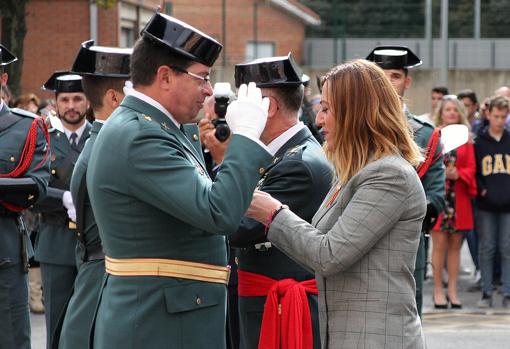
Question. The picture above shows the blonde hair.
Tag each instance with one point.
(438, 121)
(369, 119)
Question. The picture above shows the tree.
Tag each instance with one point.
(13, 32)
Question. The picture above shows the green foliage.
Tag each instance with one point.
(406, 18)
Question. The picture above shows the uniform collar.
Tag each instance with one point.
(79, 132)
(129, 90)
(280, 141)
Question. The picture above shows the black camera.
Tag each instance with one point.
(222, 93)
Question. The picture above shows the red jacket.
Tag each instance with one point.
(465, 188)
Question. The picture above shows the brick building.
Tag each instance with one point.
(247, 29)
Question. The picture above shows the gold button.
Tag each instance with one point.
(262, 170)
(78, 234)
(53, 172)
(31, 197)
(195, 137)
(199, 301)
(12, 159)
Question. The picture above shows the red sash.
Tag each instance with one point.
(430, 152)
(27, 155)
(286, 322)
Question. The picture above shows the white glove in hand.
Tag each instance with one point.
(67, 201)
(72, 214)
(247, 115)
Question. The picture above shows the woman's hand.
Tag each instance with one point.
(261, 207)
(451, 172)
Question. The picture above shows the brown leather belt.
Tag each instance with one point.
(167, 267)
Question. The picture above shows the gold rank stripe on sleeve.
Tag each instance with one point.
(167, 267)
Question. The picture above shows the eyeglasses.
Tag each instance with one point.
(205, 79)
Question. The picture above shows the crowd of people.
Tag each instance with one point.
(303, 225)
(477, 201)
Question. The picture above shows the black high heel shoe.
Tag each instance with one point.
(454, 305)
(439, 306)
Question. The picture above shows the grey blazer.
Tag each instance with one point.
(362, 248)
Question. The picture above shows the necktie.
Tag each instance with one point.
(72, 139)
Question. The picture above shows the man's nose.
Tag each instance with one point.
(208, 90)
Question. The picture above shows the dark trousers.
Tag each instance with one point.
(58, 281)
(14, 312)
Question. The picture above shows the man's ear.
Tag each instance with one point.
(273, 107)
(164, 76)
(112, 98)
(409, 81)
(4, 77)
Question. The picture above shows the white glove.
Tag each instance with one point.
(247, 115)
(72, 214)
(67, 201)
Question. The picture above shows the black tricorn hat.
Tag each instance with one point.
(63, 81)
(102, 61)
(182, 38)
(6, 56)
(269, 72)
(394, 57)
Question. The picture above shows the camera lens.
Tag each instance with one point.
(222, 132)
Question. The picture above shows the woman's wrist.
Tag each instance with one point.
(273, 214)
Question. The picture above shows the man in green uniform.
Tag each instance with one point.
(23, 181)
(395, 61)
(104, 71)
(161, 219)
(300, 176)
(56, 242)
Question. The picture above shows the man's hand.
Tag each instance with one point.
(67, 201)
(209, 140)
(247, 115)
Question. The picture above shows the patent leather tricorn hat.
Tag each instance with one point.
(182, 39)
(63, 81)
(394, 57)
(102, 61)
(6, 56)
(269, 72)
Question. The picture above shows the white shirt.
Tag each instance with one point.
(130, 91)
(279, 141)
(79, 132)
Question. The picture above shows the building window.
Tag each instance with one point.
(127, 36)
(259, 49)
(132, 20)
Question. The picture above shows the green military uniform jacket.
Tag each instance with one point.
(153, 198)
(56, 242)
(81, 307)
(14, 317)
(433, 184)
(300, 176)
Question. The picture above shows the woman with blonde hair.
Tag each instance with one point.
(460, 188)
(363, 240)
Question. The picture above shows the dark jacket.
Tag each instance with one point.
(493, 171)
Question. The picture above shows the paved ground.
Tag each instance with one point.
(469, 328)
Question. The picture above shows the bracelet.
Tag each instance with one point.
(272, 216)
